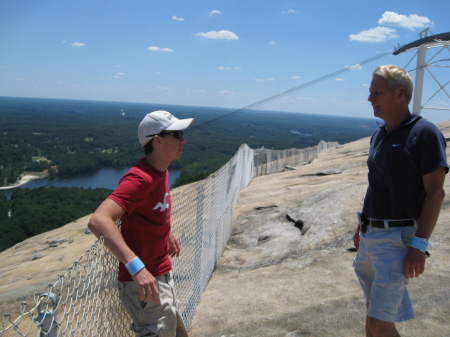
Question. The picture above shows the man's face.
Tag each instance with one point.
(381, 97)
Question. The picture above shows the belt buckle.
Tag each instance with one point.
(379, 223)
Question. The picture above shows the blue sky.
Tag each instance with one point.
(230, 53)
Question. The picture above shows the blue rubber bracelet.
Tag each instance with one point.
(134, 265)
(419, 243)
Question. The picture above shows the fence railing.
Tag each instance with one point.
(84, 301)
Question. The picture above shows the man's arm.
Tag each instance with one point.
(433, 183)
(103, 223)
(356, 238)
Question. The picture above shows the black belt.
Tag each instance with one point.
(391, 223)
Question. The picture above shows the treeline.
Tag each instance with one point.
(83, 136)
(38, 134)
(68, 137)
(207, 149)
(34, 211)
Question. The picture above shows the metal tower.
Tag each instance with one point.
(426, 42)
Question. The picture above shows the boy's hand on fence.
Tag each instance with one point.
(174, 247)
(147, 285)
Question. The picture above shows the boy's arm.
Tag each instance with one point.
(103, 224)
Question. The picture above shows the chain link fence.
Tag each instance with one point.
(84, 301)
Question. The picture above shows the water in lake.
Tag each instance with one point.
(105, 178)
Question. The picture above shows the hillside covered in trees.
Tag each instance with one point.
(35, 211)
(68, 137)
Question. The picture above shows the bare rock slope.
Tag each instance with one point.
(31, 265)
(274, 281)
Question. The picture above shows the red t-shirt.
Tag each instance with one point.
(144, 194)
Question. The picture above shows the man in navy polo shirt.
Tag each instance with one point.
(407, 167)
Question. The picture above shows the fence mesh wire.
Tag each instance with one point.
(84, 301)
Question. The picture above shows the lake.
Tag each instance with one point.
(105, 178)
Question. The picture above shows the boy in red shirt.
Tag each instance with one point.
(145, 243)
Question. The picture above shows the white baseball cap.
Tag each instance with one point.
(157, 121)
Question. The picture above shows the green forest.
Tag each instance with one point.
(34, 211)
(69, 137)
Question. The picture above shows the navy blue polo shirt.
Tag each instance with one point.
(397, 161)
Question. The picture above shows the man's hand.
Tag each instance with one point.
(414, 263)
(356, 238)
(174, 247)
(147, 285)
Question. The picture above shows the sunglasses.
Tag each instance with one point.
(176, 134)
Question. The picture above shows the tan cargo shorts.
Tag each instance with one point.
(160, 320)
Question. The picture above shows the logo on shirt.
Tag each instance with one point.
(162, 205)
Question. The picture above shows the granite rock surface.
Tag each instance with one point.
(277, 279)
(287, 268)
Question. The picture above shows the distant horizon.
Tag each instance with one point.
(199, 106)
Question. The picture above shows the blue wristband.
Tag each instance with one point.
(134, 265)
(419, 243)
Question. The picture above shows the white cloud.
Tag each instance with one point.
(214, 12)
(19, 79)
(228, 68)
(295, 77)
(378, 34)
(154, 48)
(290, 11)
(405, 21)
(177, 18)
(78, 44)
(200, 91)
(356, 66)
(339, 79)
(162, 88)
(441, 103)
(273, 43)
(304, 99)
(227, 92)
(264, 79)
(221, 35)
(118, 75)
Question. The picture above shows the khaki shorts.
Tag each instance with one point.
(161, 320)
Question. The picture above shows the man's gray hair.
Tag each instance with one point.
(396, 77)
